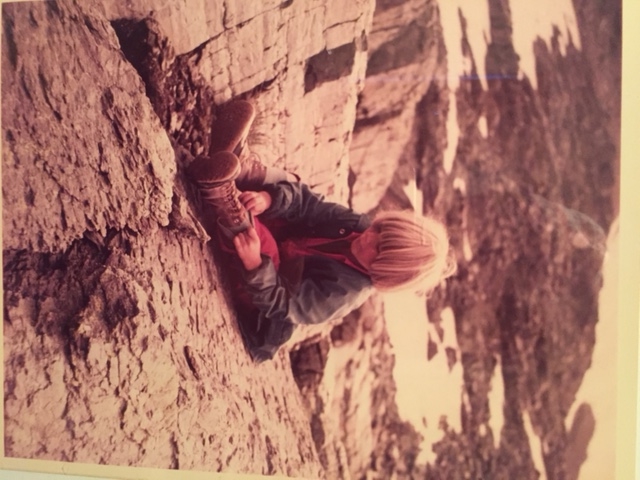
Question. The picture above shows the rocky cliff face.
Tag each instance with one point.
(118, 338)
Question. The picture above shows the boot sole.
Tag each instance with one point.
(231, 127)
(211, 171)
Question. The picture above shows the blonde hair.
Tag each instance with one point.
(412, 251)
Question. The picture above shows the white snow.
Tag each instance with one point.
(536, 19)
(482, 126)
(460, 184)
(477, 14)
(467, 251)
(414, 195)
(425, 390)
(496, 404)
(536, 447)
(452, 135)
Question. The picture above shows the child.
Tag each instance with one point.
(296, 259)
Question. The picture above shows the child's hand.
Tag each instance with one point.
(247, 245)
(255, 202)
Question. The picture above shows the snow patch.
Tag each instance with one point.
(535, 445)
(453, 132)
(448, 325)
(477, 15)
(426, 390)
(466, 247)
(483, 127)
(414, 195)
(460, 184)
(533, 20)
(496, 403)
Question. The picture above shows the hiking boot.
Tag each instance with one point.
(215, 179)
(230, 130)
(229, 134)
(252, 173)
(207, 171)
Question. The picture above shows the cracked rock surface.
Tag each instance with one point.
(66, 179)
(119, 342)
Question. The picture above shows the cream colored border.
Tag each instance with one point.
(629, 272)
(628, 295)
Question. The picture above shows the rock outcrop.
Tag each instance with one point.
(301, 63)
(405, 56)
(118, 339)
(115, 311)
(118, 336)
(63, 179)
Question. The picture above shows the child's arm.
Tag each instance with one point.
(247, 244)
(327, 290)
(296, 203)
(255, 202)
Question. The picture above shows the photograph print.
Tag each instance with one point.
(312, 238)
